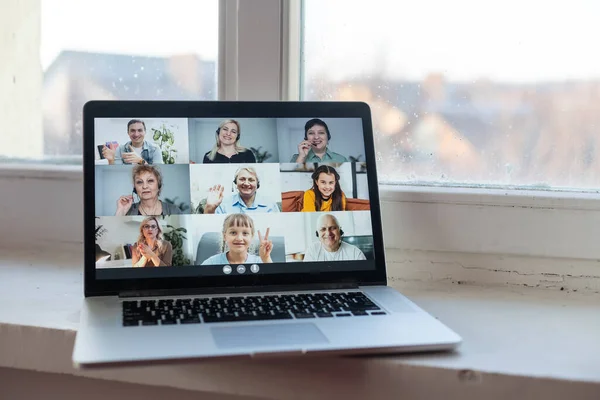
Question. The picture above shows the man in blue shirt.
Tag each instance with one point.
(246, 200)
(137, 150)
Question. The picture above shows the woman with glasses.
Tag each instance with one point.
(151, 250)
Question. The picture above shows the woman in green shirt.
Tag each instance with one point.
(314, 146)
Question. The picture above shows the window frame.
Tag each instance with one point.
(42, 203)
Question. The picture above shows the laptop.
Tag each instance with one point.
(237, 229)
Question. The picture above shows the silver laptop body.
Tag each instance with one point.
(292, 296)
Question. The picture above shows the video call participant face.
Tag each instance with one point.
(315, 145)
(150, 229)
(238, 233)
(246, 182)
(318, 138)
(329, 232)
(146, 185)
(326, 184)
(326, 193)
(137, 133)
(238, 237)
(228, 134)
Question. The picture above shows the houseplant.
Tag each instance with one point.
(165, 139)
(176, 236)
(100, 253)
(100, 230)
(261, 156)
(182, 206)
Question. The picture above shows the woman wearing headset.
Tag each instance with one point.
(315, 146)
(147, 184)
(227, 148)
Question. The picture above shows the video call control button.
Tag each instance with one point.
(226, 269)
(241, 269)
(254, 268)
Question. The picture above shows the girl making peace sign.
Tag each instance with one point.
(238, 233)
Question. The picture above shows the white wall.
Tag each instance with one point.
(119, 231)
(346, 136)
(113, 181)
(362, 186)
(21, 84)
(255, 132)
(354, 223)
(214, 223)
(189, 243)
(298, 237)
(109, 129)
(204, 176)
(302, 180)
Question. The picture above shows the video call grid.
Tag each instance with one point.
(151, 175)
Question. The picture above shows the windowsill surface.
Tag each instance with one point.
(520, 332)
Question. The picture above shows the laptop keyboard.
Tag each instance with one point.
(248, 308)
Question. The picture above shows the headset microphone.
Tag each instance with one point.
(134, 192)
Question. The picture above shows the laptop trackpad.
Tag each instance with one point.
(268, 335)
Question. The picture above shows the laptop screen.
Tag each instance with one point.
(232, 196)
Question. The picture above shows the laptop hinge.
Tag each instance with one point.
(238, 289)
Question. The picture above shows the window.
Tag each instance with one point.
(103, 50)
(418, 80)
(466, 92)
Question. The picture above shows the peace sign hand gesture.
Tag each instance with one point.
(266, 246)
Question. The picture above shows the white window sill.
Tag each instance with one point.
(517, 340)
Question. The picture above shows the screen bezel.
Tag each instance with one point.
(231, 109)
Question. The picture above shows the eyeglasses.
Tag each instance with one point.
(147, 227)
